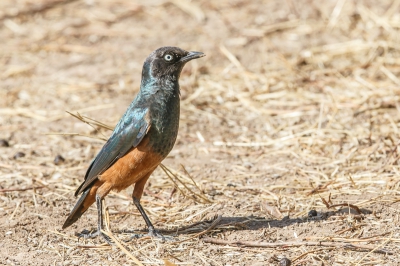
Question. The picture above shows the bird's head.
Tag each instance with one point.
(167, 63)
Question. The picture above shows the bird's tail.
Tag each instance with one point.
(87, 198)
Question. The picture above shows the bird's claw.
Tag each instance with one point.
(154, 234)
(86, 234)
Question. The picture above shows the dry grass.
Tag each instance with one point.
(295, 108)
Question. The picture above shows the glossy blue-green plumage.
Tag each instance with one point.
(156, 108)
(154, 115)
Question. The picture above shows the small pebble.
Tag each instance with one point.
(312, 213)
(56, 175)
(4, 143)
(59, 159)
(285, 262)
(19, 155)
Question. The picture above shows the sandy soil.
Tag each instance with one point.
(294, 109)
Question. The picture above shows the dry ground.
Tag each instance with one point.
(295, 108)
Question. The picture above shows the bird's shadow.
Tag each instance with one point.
(236, 223)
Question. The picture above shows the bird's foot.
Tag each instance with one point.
(86, 234)
(154, 234)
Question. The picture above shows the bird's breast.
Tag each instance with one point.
(164, 125)
(132, 167)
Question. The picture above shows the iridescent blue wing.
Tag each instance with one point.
(128, 133)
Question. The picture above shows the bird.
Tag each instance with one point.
(142, 138)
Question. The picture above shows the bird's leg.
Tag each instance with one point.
(152, 231)
(100, 226)
(136, 195)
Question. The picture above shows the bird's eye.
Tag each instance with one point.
(168, 57)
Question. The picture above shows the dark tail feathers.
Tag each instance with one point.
(80, 207)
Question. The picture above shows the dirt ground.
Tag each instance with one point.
(287, 148)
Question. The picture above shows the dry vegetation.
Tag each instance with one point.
(294, 109)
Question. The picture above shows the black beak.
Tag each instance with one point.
(192, 55)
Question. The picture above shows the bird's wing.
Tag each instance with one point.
(127, 134)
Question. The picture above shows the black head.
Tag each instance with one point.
(167, 62)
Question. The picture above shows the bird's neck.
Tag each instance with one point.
(163, 89)
(161, 96)
(151, 84)
(163, 100)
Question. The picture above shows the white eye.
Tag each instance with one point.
(168, 57)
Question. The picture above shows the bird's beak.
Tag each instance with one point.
(192, 55)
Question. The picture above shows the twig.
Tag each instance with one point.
(375, 249)
(343, 239)
(181, 229)
(18, 189)
(187, 173)
(166, 171)
(296, 244)
(110, 235)
(75, 134)
(339, 232)
(330, 206)
(369, 237)
(37, 8)
(212, 226)
(237, 64)
(193, 194)
(90, 121)
(191, 8)
(308, 252)
(93, 247)
(320, 188)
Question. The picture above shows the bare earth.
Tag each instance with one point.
(295, 108)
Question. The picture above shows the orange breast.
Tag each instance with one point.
(132, 167)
